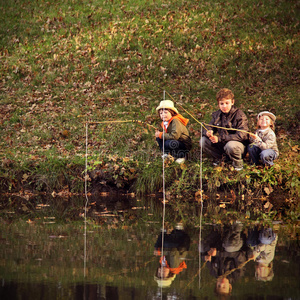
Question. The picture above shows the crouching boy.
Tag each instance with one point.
(221, 143)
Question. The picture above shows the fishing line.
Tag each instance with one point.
(86, 177)
(201, 211)
(86, 196)
(164, 203)
(201, 193)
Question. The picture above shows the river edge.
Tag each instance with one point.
(224, 191)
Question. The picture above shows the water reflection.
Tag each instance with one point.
(225, 252)
(263, 242)
(172, 248)
(44, 260)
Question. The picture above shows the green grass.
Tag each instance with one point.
(70, 61)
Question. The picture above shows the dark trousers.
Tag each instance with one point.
(233, 149)
(173, 147)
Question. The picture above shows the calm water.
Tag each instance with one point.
(45, 255)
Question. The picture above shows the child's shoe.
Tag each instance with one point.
(180, 160)
(216, 163)
(238, 168)
(179, 226)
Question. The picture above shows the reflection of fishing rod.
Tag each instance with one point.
(198, 273)
(237, 268)
(221, 276)
(203, 124)
(123, 121)
(125, 271)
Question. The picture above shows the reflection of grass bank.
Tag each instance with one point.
(68, 64)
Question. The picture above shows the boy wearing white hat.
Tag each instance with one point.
(174, 139)
(264, 146)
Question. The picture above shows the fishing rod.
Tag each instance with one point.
(241, 130)
(122, 121)
(203, 124)
(187, 112)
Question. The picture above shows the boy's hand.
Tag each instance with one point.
(212, 252)
(207, 257)
(211, 136)
(157, 133)
(254, 255)
(255, 137)
(214, 139)
(209, 133)
(157, 252)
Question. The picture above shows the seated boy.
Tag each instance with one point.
(222, 143)
(175, 138)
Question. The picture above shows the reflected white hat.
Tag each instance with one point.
(164, 282)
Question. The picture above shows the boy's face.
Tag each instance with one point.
(223, 286)
(262, 271)
(264, 121)
(163, 272)
(165, 115)
(225, 105)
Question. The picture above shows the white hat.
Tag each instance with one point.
(167, 104)
(267, 113)
(164, 282)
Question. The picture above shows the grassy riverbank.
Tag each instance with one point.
(69, 62)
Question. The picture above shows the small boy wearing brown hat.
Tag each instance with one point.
(174, 139)
(264, 146)
(222, 143)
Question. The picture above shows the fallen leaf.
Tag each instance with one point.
(198, 194)
(268, 190)
(24, 177)
(268, 205)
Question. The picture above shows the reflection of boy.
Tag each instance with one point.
(220, 143)
(230, 256)
(263, 244)
(176, 246)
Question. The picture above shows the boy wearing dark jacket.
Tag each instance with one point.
(222, 143)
